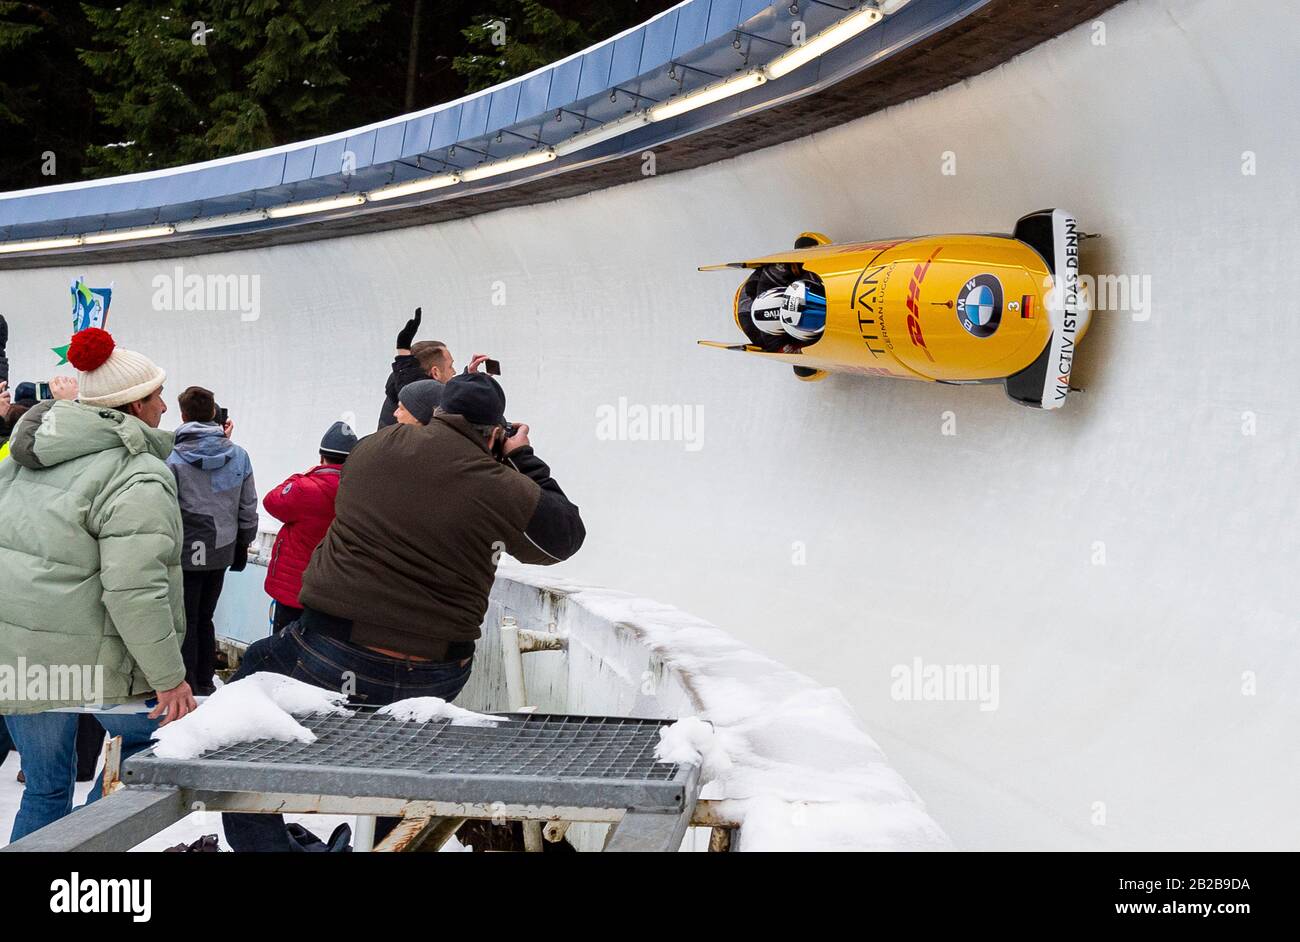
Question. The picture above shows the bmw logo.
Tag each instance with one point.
(979, 306)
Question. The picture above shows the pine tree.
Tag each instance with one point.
(45, 108)
(536, 34)
(177, 88)
(99, 87)
(525, 36)
(16, 37)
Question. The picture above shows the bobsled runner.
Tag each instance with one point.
(940, 308)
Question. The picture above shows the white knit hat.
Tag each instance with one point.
(107, 374)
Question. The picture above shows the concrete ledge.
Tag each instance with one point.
(803, 775)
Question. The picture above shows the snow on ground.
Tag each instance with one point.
(789, 757)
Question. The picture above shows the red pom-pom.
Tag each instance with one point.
(90, 348)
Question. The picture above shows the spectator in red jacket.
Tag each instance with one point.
(305, 505)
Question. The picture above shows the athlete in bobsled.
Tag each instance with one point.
(781, 307)
(958, 309)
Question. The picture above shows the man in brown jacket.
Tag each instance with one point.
(394, 596)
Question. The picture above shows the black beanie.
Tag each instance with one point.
(476, 396)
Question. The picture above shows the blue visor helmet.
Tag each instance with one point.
(803, 314)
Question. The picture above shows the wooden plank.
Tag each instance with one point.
(419, 834)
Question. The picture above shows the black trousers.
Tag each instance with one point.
(199, 650)
(90, 743)
(285, 615)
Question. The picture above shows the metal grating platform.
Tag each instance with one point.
(579, 761)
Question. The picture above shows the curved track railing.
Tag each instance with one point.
(695, 66)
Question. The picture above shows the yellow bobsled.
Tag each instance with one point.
(940, 308)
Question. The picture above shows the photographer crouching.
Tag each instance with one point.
(394, 597)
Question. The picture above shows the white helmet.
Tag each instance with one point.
(803, 315)
(765, 312)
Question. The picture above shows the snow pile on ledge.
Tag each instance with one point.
(427, 709)
(788, 756)
(260, 706)
(693, 740)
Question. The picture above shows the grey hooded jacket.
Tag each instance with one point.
(214, 483)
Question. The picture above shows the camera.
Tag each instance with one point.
(499, 449)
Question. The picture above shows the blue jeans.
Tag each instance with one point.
(324, 661)
(47, 743)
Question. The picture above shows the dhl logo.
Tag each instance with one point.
(914, 301)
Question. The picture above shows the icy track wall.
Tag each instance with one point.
(1126, 566)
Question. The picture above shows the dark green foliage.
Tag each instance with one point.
(179, 88)
(538, 33)
(118, 86)
(45, 104)
(524, 36)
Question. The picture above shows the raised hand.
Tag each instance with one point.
(406, 336)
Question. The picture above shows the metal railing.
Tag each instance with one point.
(697, 65)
